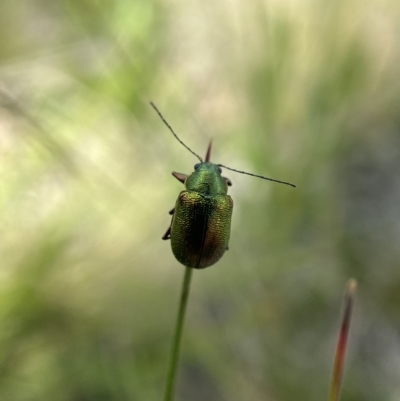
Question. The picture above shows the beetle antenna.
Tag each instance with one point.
(173, 133)
(259, 176)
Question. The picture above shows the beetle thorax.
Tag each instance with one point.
(207, 180)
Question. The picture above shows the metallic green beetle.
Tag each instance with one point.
(201, 219)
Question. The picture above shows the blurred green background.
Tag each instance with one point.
(306, 91)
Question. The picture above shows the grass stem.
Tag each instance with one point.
(338, 365)
(176, 343)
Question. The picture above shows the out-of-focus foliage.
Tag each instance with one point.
(303, 91)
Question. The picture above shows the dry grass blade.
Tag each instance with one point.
(338, 366)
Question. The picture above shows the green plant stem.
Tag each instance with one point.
(176, 343)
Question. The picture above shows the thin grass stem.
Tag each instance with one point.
(176, 342)
(338, 365)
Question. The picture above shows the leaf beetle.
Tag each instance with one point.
(201, 219)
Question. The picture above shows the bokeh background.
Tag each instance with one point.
(306, 91)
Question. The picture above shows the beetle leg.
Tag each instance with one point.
(167, 234)
(180, 176)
